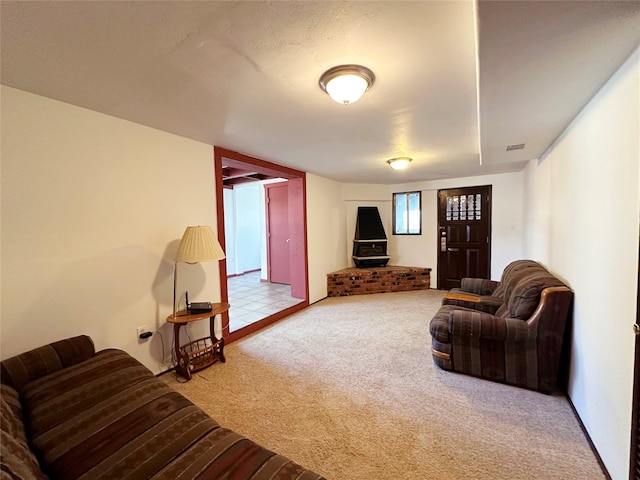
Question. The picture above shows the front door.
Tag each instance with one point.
(464, 235)
(277, 200)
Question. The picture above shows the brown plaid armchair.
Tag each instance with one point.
(520, 342)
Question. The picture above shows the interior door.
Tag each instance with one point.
(464, 235)
(278, 239)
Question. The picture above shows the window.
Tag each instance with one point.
(464, 207)
(407, 215)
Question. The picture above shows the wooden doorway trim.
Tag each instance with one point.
(239, 160)
(298, 235)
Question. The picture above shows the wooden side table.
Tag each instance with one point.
(194, 356)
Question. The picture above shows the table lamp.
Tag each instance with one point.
(198, 244)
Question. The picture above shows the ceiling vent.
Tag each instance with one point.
(519, 146)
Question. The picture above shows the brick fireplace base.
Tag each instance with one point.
(362, 281)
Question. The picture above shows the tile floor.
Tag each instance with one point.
(252, 300)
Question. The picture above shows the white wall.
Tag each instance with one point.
(537, 209)
(249, 217)
(507, 229)
(332, 209)
(92, 214)
(583, 197)
(244, 220)
(409, 250)
(93, 208)
(326, 234)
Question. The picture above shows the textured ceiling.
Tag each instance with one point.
(244, 75)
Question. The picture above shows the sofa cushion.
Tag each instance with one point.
(525, 296)
(12, 411)
(19, 370)
(96, 414)
(479, 286)
(110, 417)
(17, 461)
(512, 275)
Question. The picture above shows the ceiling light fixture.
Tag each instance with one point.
(399, 163)
(347, 83)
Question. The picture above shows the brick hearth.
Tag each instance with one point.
(362, 281)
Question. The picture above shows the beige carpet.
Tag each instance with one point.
(348, 388)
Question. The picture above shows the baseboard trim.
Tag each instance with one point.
(243, 273)
(588, 437)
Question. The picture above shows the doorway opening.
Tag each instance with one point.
(262, 228)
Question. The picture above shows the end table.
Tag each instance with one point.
(194, 356)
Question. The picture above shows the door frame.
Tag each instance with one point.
(489, 189)
(634, 454)
(236, 159)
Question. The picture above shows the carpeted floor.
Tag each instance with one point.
(347, 388)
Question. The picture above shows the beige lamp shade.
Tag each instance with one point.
(199, 244)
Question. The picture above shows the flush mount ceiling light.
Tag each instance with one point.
(399, 163)
(347, 83)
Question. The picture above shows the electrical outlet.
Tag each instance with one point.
(140, 331)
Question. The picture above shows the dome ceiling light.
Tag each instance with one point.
(399, 163)
(347, 83)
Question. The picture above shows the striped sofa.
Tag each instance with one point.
(509, 331)
(71, 413)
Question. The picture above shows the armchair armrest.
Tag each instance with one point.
(467, 323)
(479, 286)
(19, 370)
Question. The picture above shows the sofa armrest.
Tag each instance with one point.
(479, 286)
(19, 370)
(467, 323)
